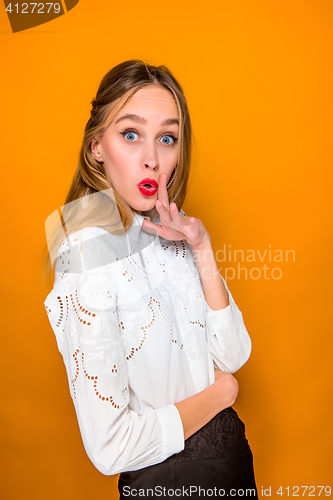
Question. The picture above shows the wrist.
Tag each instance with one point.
(204, 244)
(216, 397)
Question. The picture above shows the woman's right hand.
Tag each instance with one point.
(226, 388)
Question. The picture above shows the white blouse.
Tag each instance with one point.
(137, 336)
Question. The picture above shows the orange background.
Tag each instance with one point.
(258, 79)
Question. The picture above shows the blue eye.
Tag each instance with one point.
(168, 136)
(131, 133)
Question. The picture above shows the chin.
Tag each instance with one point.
(145, 205)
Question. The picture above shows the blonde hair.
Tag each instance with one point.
(90, 177)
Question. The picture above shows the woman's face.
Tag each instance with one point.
(137, 149)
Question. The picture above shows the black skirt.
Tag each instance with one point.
(217, 461)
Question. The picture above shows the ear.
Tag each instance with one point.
(96, 147)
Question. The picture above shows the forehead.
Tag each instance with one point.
(149, 100)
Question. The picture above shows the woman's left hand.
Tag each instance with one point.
(175, 226)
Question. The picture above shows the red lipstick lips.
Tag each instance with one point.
(148, 187)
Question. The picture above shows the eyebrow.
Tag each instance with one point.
(140, 119)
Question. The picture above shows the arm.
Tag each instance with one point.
(198, 410)
(227, 336)
(215, 292)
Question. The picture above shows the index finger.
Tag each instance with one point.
(162, 192)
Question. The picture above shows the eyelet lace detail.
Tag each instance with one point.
(145, 328)
(169, 323)
(94, 380)
(176, 247)
(102, 397)
(192, 322)
(77, 371)
(130, 259)
(63, 314)
(77, 305)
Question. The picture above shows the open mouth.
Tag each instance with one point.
(148, 183)
(148, 187)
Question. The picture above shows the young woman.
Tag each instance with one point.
(149, 332)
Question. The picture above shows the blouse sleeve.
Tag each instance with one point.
(227, 337)
(82, 312)
(228, 340)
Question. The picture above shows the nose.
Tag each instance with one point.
(151, 166)
(150, 156)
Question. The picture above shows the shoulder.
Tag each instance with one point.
(80, 236)
(91, 246)
(84, 270)
(86, 253)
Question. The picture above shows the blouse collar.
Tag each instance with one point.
(136, 227)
